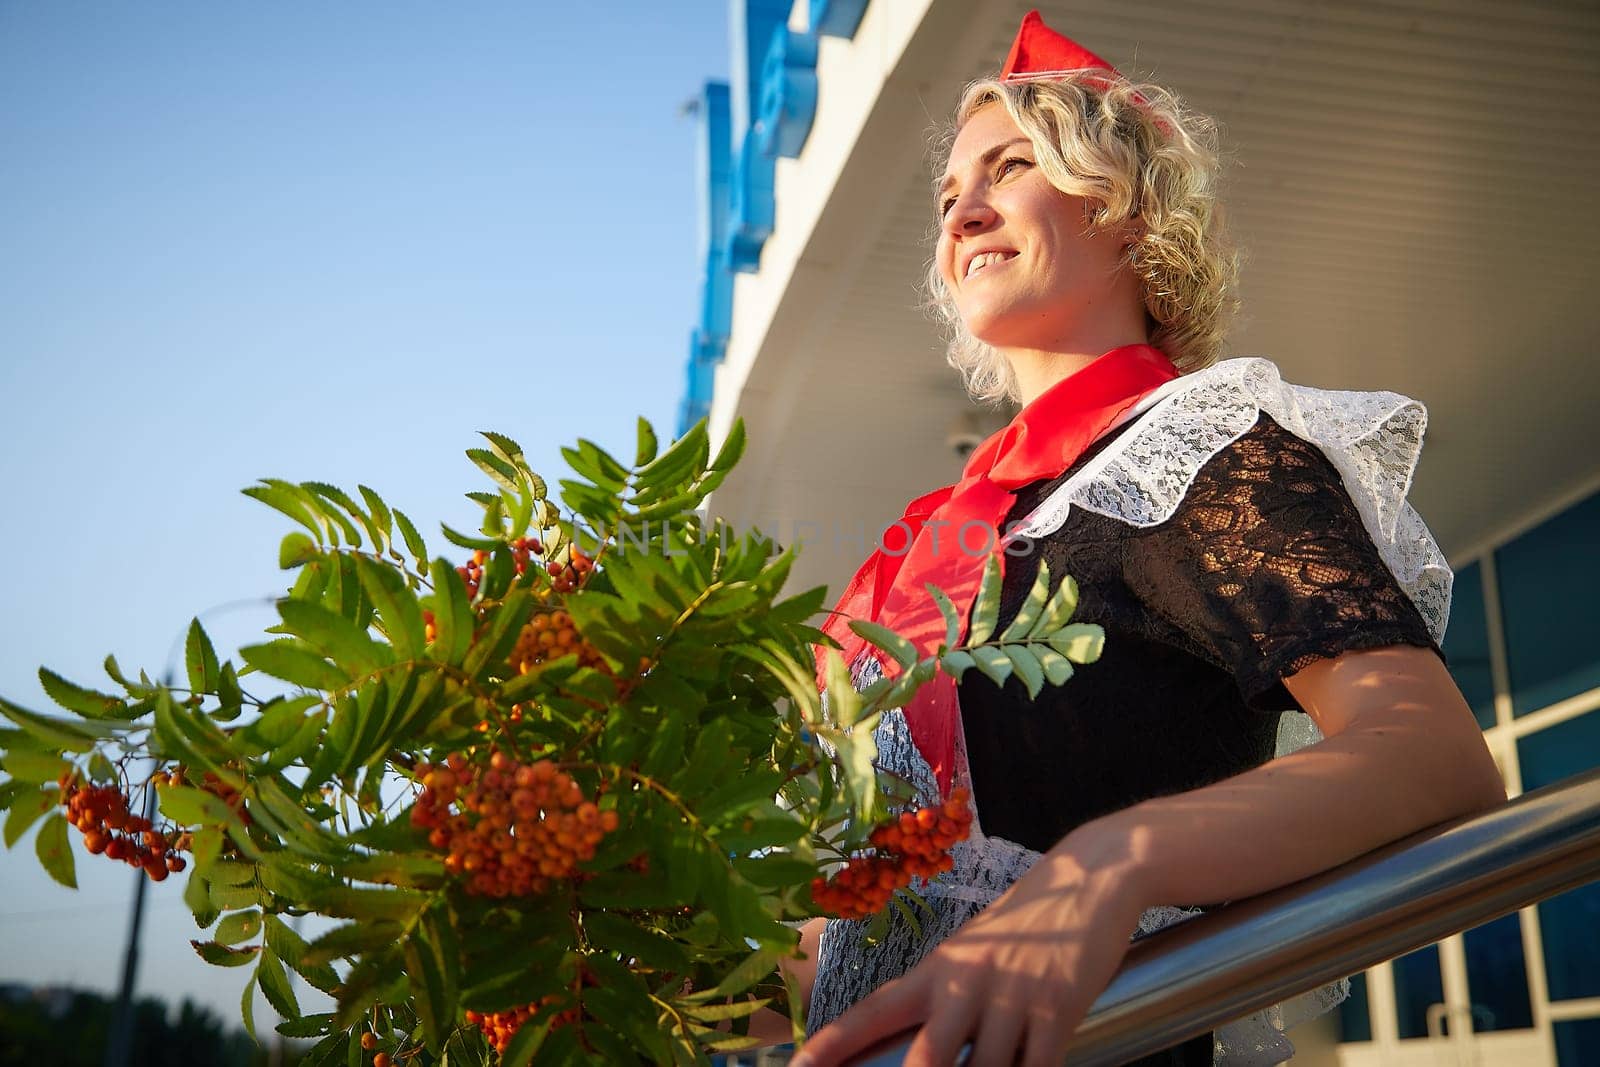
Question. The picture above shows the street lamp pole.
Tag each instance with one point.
(119, 1048)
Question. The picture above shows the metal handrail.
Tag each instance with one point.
(1240, 958)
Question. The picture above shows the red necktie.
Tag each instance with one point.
(945, 537)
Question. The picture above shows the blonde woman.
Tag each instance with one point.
(1244, 543)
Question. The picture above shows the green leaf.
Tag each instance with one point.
(378, 510)
(713, 1013)
(452, 614)
(279, 496)
(646, 450)
(432, 989)
(993, 663)
(335, 637)
(295, 664)
(758, 965)
(397, 607)
(903, 651)
(32, 766)
(230, 696)
(223, 956)
(732, 447)
(1060, 608)
(526, 1043)
(844, 703)
(238, 926)
(308, 1026)
(247, 1006)
(27, 811)
(414, 543)
(1028, 614)
(455, 537)
(504, 474)
(504, 447)
(76, 698)
(400, 905)
(352, 939)
(339, 497)
(292, 949)
(295, 550)
(275, 985)
(957, 663)
(986, 607)
(55, 851)
(1080, 642)
(952, 618)
(200, 659)
(191, 807)
(1057, 668)
(647, 946)
(1027, 668)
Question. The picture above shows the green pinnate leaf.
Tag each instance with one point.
(1080, 642)
(32, 766)
(502, 472)
(294, 663)
(292, 949)
(452, 614)
(74, 697)
(1057, 668)
(1058, 610)
(296, 550)
(1026, 667)
(986, 606)
(26, 811)
(223, 956)
(238, 926)
(957, 663)
(283, 498)
(1032, 606)
(275, 985)
(952, 618)
(903, 651)
(397, 607)
(504, 447)
(200, 660)
(645, 451)
(414, 543)
(334, 636)
(732, 448)
(994, 663)
(55, 851)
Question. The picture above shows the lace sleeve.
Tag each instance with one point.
(1266, 567)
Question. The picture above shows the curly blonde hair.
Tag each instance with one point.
(1138, 153)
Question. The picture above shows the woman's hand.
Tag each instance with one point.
(1016, 980)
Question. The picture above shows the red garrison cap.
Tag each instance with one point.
(1040, 52)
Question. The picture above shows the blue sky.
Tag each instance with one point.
(309, 241)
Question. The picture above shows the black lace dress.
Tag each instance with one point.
(1264, 568)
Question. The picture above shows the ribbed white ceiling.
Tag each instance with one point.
(1412, 182)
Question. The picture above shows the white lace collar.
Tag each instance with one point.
(1372, 438)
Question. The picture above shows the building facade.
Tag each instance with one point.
(1409, 181)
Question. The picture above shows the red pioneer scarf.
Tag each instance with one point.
(946, 536)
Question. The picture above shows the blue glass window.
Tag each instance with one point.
(1466, 644)
(1549, 584)
(1497, 975)
(1417, 987)
(1355, 1019)
(1578, 1043)
(1569, 925)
